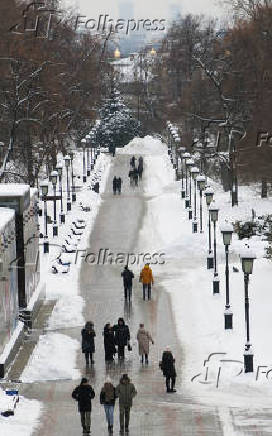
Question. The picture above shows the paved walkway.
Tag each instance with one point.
(155, 413)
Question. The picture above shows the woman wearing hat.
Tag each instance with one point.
(87, 345)
(167, 366)
(107, 398)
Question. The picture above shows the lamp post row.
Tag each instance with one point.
(247, 257)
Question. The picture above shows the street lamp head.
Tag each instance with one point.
(190, 163)
(194, 172)
(44, 188)
(227, 232)
(209, 193)
(67, 160)
(59, 168)
(213, 211)
(247, 258)
(54, 177)
(201, 182)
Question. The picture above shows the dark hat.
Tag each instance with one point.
(83, 380)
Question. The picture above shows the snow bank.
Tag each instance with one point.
(145, 146)
(67, 313)
(25, 420)
(62, 351)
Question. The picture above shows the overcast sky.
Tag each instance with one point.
(146, 8)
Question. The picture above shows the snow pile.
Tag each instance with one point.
(146, 146)
(54, 358)
(67, 313)
(25, 420)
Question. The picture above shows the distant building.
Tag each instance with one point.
(126, 10)
(174, 11)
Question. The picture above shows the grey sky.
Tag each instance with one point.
(146, 8)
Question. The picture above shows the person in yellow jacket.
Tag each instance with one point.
(146, 278)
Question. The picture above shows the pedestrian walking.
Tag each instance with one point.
(143, 338)
(135, 176)
(167, 366)
(125, 391)
(121, 337)
(131, 177)
(114, 185)
(146, 277)
(132, 162)
(84, 394)
(109, 344)
(87, 345)
(107, 398)
(140, 167)
(119, 185)
(112, 150)
(128, 277)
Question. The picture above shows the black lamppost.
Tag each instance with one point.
(181, 155)
(214, 210)
(54, 180)
(67, 160)
(44, 188)
(247, 258)
(72, 177)
(59, 169)
(177, 143)
(92, 134)
(188, 201)
(201, 183)
(83, 143)
(186, 156)
(209, 198)
(88, 140)
(194, 174)
(227, 231)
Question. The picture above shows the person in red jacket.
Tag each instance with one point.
(146, 277)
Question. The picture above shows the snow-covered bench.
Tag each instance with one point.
(8, 401)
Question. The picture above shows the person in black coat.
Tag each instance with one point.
(167, 366)
(84, 394)
(121, 337)
(135, 176)
(109, 343)
(128, 276)
(132, 161)
(119, 185)
(114, 185)
(87, 345)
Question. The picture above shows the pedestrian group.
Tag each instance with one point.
(116, 339)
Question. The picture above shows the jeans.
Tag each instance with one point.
(109, 410)
(124, 416)
(146, 358)
(147, 286)
(128, 291)
(86, 420)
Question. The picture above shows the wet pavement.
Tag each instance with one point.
(155, 412)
